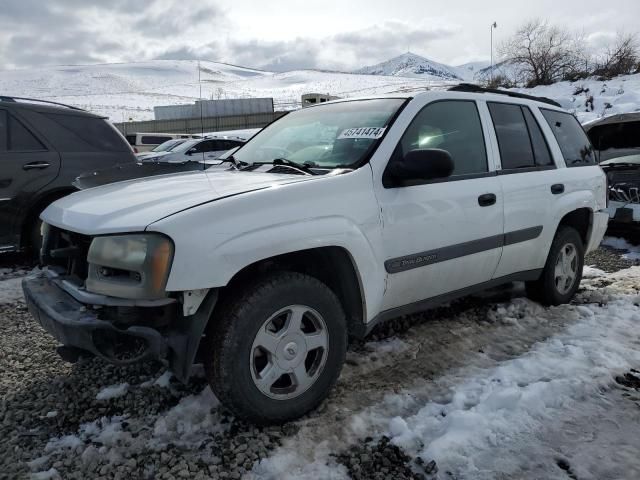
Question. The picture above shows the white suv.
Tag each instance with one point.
(330, 220)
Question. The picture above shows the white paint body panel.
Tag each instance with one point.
(221, 222)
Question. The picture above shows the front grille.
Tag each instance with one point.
(624, 186)
(66, 252)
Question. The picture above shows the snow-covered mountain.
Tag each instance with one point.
(412, 65)
(469, 71)
(126, 91)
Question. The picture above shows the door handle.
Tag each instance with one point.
(35, 165)
(557, 188)
(487, 199)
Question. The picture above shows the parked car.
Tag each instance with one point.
(617, 139)
(144, 142)
(163, 147)
(190, 155)
(267, 269)
(43, 147)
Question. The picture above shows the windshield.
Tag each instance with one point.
(328, 136)
(167, 146)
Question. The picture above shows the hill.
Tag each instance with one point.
(412, 65)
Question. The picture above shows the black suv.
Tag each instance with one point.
(44, 146)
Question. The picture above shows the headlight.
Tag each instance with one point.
(132, 266)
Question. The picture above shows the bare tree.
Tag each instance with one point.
(620, 58)
(543, 53)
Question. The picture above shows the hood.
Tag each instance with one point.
(131, 206)
(627, 161)
(144, 155)
(130, 171)
(615, 136)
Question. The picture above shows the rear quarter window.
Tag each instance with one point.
(76, 133)
(572, 139)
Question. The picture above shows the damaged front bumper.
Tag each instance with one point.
(76, 324)
(624, 214)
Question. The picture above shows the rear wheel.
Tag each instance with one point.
(273, 353)
(562, 272)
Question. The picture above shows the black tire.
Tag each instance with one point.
(546, 290)
(229, 348)
(35, 235)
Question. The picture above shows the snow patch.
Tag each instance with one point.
(113, 391)
(51, 474)
(592, 272)
(190, 422)
(163, 381)
(505, 406)
(633, 251)
(11, 290)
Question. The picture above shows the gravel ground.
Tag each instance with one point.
(43, 398)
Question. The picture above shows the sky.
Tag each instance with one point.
(284, 35)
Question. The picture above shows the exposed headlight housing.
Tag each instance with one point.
(134, 266)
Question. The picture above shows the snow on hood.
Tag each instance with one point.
(133, 205)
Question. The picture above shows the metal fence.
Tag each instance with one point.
(198, 125)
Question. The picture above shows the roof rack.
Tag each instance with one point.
(469, 87)
(5, 98)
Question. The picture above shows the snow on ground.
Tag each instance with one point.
(113, 391)
(592, 272)
(511, 407)
(633, 251)
(11, 290)
(186, 425)
(619, 95)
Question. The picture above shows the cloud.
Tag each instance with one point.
(275, 55)
(161, 23)
(345, 51)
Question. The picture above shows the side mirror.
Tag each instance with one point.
(422, 164)
(191, 151)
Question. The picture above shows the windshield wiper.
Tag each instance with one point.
(304, 167)
(285, 162)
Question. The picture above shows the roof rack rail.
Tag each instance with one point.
(5, 98)
(469, 87)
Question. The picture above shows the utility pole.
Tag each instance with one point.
(493, 25)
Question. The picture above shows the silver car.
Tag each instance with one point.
(197, 150)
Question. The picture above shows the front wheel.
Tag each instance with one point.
(562, 272)
(274, 352)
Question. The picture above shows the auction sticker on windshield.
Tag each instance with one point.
(362, 132)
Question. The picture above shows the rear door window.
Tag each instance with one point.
(21, 139)
(513, 136)
(131, 139)
(574, 143)
(3, 130)
(80, 133)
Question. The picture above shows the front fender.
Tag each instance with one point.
(214, 242)
(220, 262)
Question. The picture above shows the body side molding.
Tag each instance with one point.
(417, 260)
